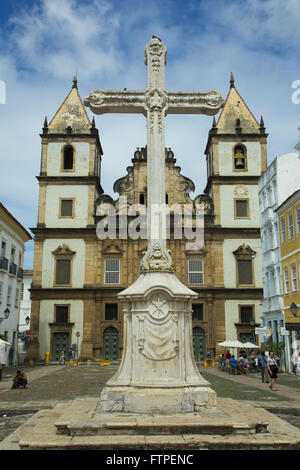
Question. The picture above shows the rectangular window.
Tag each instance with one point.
(17, 298)
(291, 226)
(196, 275)
(241, 208)
(245, 272)
(283, 231)
(286, 281)
(246, 313)
(66, 208)
(3, 248)
(1, 291)
(63, 272)
(12, 255)
(298, 220)
(112, 271)
(8, 300)
(62, 313)
(111, 311)
(294, 278)
(197, 314)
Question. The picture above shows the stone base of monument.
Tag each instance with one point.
(79, 425)
(156, 400)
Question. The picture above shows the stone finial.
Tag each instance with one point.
(45, 128)
(231, 80)
(214, 124)
(262, 126)
(93, 122)
(75, 81)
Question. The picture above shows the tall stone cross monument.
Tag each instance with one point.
(158, 372)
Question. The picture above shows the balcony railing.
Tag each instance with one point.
(3, 263)
(13, 268)
(20, 273)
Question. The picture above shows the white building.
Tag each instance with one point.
(13, 236)
(276, 184)
(24, 319)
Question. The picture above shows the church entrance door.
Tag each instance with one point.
(60, 343)
(111, 344)
(199, 343)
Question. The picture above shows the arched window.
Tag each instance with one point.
(239, 157)
(68, 158)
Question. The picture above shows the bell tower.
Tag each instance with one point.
(236, 156)
(69, 184)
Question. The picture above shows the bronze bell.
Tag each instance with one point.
(239, 160)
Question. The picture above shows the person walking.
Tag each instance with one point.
(62, 357)
(273, 369)
(263, 366)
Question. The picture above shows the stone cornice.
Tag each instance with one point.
(63, 137)
(219, 137)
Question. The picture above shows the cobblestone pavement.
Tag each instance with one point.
(48, 385)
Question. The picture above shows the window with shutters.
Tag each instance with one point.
(112, 271)
(245, 272)
(8, 299)
(298, 220)
(63, 265)
(63, 272)
(66, 208)
(241, 209)
(291, 226)
(195, 272)
(283, 231)
(286, 281)
(294, 277)
(244, 265)
(17, 298)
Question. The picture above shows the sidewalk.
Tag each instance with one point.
(255, 381)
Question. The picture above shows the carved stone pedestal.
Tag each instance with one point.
(158, 373)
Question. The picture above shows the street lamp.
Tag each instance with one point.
(27, 320)
(6, 315)
(294, 309)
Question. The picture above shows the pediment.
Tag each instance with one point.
(244, 251)
(63, 250)
(112, 249)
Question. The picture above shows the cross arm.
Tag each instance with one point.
(108, 101)
(198, 102)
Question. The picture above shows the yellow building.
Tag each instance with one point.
(289, 223)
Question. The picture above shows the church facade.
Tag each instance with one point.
(77, 275)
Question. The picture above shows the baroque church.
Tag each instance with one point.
(77, 275)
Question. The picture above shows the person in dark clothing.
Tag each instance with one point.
(20, 380)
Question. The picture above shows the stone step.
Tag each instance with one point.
(94, 428)
(160, 442)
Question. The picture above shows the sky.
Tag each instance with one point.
(44, 43)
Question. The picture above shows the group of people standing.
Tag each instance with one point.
(267, 364)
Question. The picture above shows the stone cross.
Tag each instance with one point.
(155, 102)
